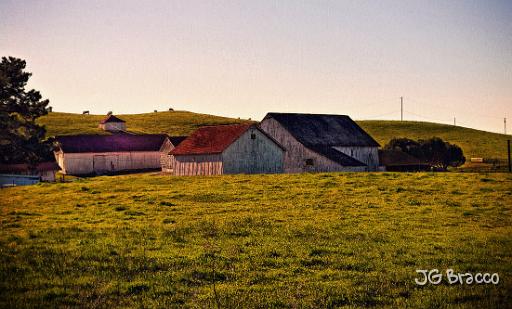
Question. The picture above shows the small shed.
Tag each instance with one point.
(45, 170)
(112, 123)
(399, 161)
(89, 154)
(228, 149)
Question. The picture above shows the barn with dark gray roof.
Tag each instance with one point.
(322, 143)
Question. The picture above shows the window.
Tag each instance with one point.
(309, 162)
(253, 136)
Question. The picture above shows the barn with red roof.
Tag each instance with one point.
(228, 149)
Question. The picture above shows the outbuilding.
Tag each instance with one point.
(322, 143)
(228, 149)
(44, 170)
(112, 123)
(105, 154)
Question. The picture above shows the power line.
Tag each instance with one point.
(426, 118)
(448, 106)
(382, 115)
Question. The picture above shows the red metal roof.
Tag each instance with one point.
(211, 139)
(111, 118)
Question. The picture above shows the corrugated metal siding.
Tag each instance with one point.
(260, 155)
(17, 180)
(296, 153)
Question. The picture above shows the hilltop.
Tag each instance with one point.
(172, 123)
(475, 143)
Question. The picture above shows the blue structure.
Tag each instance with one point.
(9, 180)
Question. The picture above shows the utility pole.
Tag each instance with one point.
(454, 121)
(401, 108)
(505, 126)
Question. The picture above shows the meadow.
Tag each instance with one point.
(269, 241)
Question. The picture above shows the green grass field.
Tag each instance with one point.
(173, 123)
(309, 240)
(475, 143)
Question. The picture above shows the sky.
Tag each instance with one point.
(246, 58)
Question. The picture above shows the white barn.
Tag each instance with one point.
(104, 154)
(322, 143)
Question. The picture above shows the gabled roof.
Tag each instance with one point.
(111, 143)
(214, 139)
(111, 118)
(322, 129)
(176, 140)
(210, 139)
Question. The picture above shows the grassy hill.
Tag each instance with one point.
(173, 123)
(332, 240)
(475, 143)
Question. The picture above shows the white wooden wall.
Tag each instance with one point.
(260, 155)
(165, 157)
(296, 153)
(113, 126)
(367, 155)
(98, 163)
(192, 165)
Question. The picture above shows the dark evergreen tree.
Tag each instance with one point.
(21, 138)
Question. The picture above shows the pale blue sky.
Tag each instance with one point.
(245, 58)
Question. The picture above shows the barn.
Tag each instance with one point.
(228, 149)
(322, 143)
(112, 123)
(104, 154)
(44, 170)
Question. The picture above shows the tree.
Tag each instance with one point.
(404, 144)
(21, 138)
(434, 151)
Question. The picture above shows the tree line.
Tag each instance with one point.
(434, 151)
